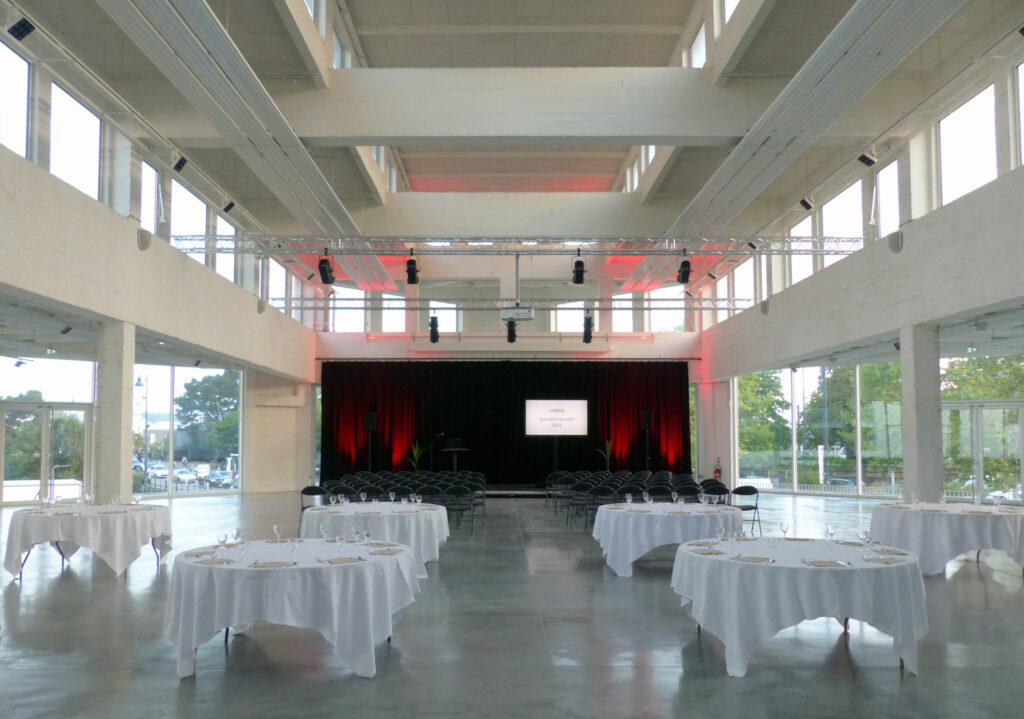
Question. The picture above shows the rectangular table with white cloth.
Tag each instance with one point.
(346, 591)
(744, 595)
(114, 532)
(627, 532)
(421, 527)
(938, 532)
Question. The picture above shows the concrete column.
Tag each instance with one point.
(606, 288)
(114, 378)
(714, 427)
(276, 435)
(922, 414)
(412, 316)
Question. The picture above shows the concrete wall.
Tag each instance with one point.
(277, 434)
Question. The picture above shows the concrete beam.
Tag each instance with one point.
(726, 52)
(311, 46)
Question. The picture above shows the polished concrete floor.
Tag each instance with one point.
(518, 619)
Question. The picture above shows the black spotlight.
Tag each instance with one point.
(21, 29)
(577, 272)
(805, 203)
(434, 334)
(180, 164)
(326, 271)
(867, 159)
(310, 276)
(684, 272)
(510, 329)
(66, 330)
(412, 272)
(588, 328)
(229, 207)
(712, 275)
(197, 363)
(896, 345)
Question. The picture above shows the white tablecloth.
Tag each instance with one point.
(938, 533)
(115, 533)
(745, 604)
(627, 532)
(423, 527)
(349, 604)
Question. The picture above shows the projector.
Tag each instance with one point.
(516, 313)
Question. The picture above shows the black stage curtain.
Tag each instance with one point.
(372, 412)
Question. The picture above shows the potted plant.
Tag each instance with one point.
(606, 453)
(415, 452)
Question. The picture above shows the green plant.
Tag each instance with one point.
(606, 453)
(415, 452)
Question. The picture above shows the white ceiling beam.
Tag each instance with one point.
(656, 172)
(557, 29)
(316, 53)
(737, 35)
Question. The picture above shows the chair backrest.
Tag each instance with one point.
(716, 489)
(688, 491)
(745, 489)
(313, 490)
(603, 490)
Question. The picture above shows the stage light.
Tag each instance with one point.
(310, 276)
(434, 335)
(806, 204)
(66, 330)
(229, 207)
(21, 29)
(510, 328)
(577, 272)
(588, 328)
(684, 272)
(867, 159)
(412, 272)
(326, 271)
(180, 164)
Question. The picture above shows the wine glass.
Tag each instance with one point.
(830, 533)
(277, 531)
(323, 531)
(783, 527)
(237, 534)
(333, 499)
(366, 536)
(628, 497)
(362, 496)
(647, 497)
(391, 495)
(675, 497)
(222, 539)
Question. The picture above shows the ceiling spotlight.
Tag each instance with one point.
(588, 328)
(412, 272)
(19, 362)
(326, 271)
(310, 276)
(65, 331)
(197, 363)
(806, 204)
(751, 245)
(180, 164)
(896, 345)
(712, 275)
(684, 272)
(21, 29)
(867, 159)
(578, 272)
(434, 334)
(510, 329)
(229, 207)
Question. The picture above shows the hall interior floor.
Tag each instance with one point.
(520, 618)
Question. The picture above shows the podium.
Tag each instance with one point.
(454, 452)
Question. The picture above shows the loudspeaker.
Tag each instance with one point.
(646, 418)
(370, 420)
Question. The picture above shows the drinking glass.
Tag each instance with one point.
(366, 536)
(405, 500)
(720, 532)
(277, 531)
(628, 497)
(830, 533)
(997, 499)
(675, 498)
(362, 496)
(344, 499)
(647, 497)
(222, 539)
(334, 499)
(237, 534)
(356, 534)
(391, 496)
(323, 531)
(783, 527)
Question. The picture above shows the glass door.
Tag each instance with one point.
(1000, 452)
(981, 450)
(67, 453)
(22, 443)
(957, 452)
(44, 449)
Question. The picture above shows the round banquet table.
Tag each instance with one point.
(627, 532)
(941, 532)
(346, 591)
(114, 533)
(421, 527)
(744, 599)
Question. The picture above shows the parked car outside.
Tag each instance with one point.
(222, 478)
(185, 477)
(158, 471)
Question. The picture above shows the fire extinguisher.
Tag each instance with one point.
(718, 468)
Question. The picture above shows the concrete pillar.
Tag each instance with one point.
(606, 289)
(922, 413)
(276, 435)
(412, 316)
(114, 378)
(714, 428)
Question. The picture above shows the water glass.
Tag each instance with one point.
(628, 497)
(333, 499)
(405, 500)
(391, 496)
(783, 527)
(675, 498)
(277, 531)
(323, 531)
(362, 496)
(647, 497)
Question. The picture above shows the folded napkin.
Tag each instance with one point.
(678, 513)
(941, 511)
(367, 513)
(319, 509)
(797, 539)
(704, 543)
(891, 552)
(616, 506)
(430, 506)
(200, 553)
(978, 511)
(847, 543)
(278, 541)
(407, 511)
(639, 511)
(341, 560)
(66, 514)
(385, 552)
(746, 539)
(113, 511)
(217, 561)
(753, 560)
(825, 563)
(271, 565)
(382, 544)
(707, 552)
(1010, 510)
(883, 560)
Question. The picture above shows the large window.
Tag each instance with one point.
(348, 313)
(881, 432)
(826, 433)
(74, 143)
(801, 266)
(967, 146)
(569, 317)
(722, 295)
(764, 431)
(337, 51)
(843, 216)
(728, 8)
(447, 315)
(49, 380)
(667, 313)
(743, 284)
(698, 49)
(188, 218)
(13, 100)
(887, 189)
(622, 312)
(151, 428)
(277, 284)
(205, 429)
(224, 259)
(148, 203)
(392, 316)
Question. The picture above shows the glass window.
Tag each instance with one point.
(151, 429)
(888, 189)
(447, 315)
(967, 146)
(569, 317)
(392, 316)
(188, 218)
(698, 49)
(764, 430)
(337, 51)
(827, 430)
(650, 151)
(311, 6)
(45, 379)
(277, 279)
(74, 143)
(622, 312)
(224, 259)
(722, 292)
(881, 429)
(13, 100)
(205, 429)
(802, 266)
(843, 216)
(743, 284)
(728, 8)
(347, 311)
(667, 313)
(295, 298)
(147, 206)
(1020, 110)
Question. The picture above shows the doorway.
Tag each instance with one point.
(45, 450)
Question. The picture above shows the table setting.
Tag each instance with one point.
(745, 590)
